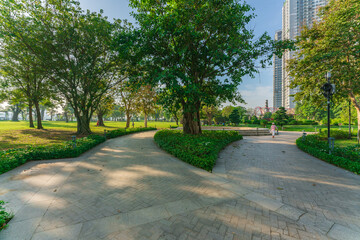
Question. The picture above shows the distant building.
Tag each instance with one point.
(295, 15)
(277, 77)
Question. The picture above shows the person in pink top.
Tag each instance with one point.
(273, 129)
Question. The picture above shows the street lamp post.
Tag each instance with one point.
(328, 91)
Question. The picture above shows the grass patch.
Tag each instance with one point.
(198, 150)
(15, 157)
(344, 157)
(5, 217)
(19, 135)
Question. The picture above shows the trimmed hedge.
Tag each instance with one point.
(347, 158)
(122, 131)
(5, 217)
(198, 150)
(13, 158)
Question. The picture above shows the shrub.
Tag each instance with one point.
(337, 134)
(5, 217)
(293, 122)
(13, 158)
(198, 150)
(256, 121)
(309, 122)
(263, 122)
(122, 131)
(347, 158)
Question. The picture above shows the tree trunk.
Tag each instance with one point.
(31, 121)
(83, 125)
(128, 119)
(145, 120)
(16, 113)
(358, 119)
(191, 120)
(42, 113)
(209, 116)
(38, 116)
(176, 120)
(349, 119)
(357, 107)
(66, 117)
(101, 120)
(23, 115)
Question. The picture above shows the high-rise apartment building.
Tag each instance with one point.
(277, 87)
(295, 15)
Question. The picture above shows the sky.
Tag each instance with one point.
(255, 91)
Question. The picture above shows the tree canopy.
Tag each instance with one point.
(330, 45)
(73, 48)
(198, 50)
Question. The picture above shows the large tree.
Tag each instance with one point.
(330, 45)
(127, 94)
(145, 101)
(73, 47)
(106, 105)
(19, 68)
(198, 50)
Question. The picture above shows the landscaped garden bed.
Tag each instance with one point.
(198, 150)
(5, 217)
(12, 158)
(344, 157)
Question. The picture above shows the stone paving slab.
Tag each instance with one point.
(127, 188)
(340, 232)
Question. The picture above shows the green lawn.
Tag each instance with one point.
(346, 142)
(18, 134)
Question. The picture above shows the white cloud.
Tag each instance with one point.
(255, 96)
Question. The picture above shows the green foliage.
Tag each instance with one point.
(188, 46)
(12, 158)
(337, 134)
(293, 122)
(76, 53)
(198, 150)
(280, 117)
(347, 158)
(122, 132)
(331, 44)
(263, 122)
(267, 115)
(234, 117)
(5, 217)
(255, 120)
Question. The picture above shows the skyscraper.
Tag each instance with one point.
(295, 15)
(277, 87)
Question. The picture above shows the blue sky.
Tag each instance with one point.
(254, 91)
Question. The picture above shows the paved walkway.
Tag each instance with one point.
(127, 188)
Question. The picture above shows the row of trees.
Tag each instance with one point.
(329, 45)
(192, 53)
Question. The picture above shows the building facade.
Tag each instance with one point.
(295, 15)
(277, 77)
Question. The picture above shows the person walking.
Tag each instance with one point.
(273, 129)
